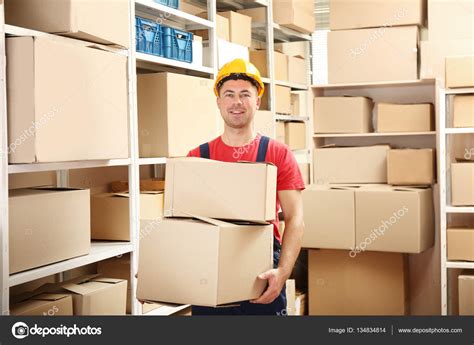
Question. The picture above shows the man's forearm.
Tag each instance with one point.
(291, 244)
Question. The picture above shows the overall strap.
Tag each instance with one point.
(262, 149)
(204, 151)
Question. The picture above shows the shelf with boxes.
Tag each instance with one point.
(36, 167)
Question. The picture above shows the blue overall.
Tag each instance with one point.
(278, 306)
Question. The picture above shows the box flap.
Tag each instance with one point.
(249, 162)
(76, 288)
(108, 280)
(49, 297)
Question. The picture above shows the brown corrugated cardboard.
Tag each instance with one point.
(264, 123)
(295, 14)
(259, 59)
(230, 256)
(460, 244)
(463, 111)
(146, 185)
(222, 27)
(44, 305)
(297, 70)
(305, 172)
(404, 117)
(243, 191)
(27, 180)
(350, 14)
(299, 103)
(460, 71)
(47, 225)
(466, 293)
(110, 218)
(258, 15)
(74, 18)
(282, 99)
(342, 114)
(450, 20)
(226, 52)
(161, 114)
(290, 297)
(370, 55)
(394, 219)
(366, 164)
(295, 135)
(240, 28)
(329, 217)
(407, 167)
(370, 283)
(293, 48)
(280, 131)
(463, 147)
(55, 91)
(462, 184)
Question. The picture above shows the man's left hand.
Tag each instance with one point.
(276, 280)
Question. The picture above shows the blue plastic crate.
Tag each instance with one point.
(149, 36)
(169, 3)
(177, 44)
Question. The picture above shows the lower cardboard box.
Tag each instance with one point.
(295, 135)
(466, 293)
(463, 111)
(460, 244)
(370, 283)
(462, 184)
(44, 305)
(411, 167)
(463, 147)
(218, 262)
(404, 117)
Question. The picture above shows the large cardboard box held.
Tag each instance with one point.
(329, 217)
(394, 219)
(47, 225)
(110, 217)
(74, 18)
(44, 305)
(342, 114)
(240, 28)
(120, 268)
(460, 71)
(55, 91)
(217, 262)
(460, 244)
(462, 184)
(222, 27)
(295, 14)
(369, 283)
(264, 123)
(259, 59)
(169, 126)
(209, 188)
(463, 111)
(295, 135)
(407, 167)
(370, 55)
(450, 20)
(226, 52)
(404, 117)
(365, 164)
(350, 14)
(466, 293)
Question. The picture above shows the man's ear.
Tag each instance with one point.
(259, 102)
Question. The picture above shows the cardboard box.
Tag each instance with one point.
(342, 114)
(370, 283)
(404, 117)
(466, 293)
(350, 14)
(407, 167)
(297, 72)
(74, 18)
(110, 216)
(118, 267)
(226, 52)
(280, 131)
(463, 147)
(259, 59)
(366, 164)
(460, 71)
(161, 114)
(258, 14)
(394, 219)
(222, 27)
(305, 172)
(463, 111)
(299, 48)
(47, 226)
(243, 191)
(55, 92)
(43, 305)
(462, 184)
(329, 217)
(240, 28)
(295, 14)
(295, 135)
(282, 99)
(433, 54)
(371, 55)
(230, 256)
(460, 244)
(300, 303)
(450, 20)
(299, 103)
(290, 297)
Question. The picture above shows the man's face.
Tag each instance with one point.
(238, 100)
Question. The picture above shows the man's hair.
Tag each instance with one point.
(237, 76)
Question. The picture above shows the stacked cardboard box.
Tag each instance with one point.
(259, 59)
(460, 244)
(295, 14)
(462, 110)
(299, 103)
(404, 117)
(466, 293)
(462, 184)
(407, 167)
(295, 135)
(43, 305)
(460, 71)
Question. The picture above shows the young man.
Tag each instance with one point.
(239, 89)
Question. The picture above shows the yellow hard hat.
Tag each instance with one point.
(242, 67)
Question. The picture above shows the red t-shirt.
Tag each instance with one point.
(288, 175)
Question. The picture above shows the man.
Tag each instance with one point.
(239, 89)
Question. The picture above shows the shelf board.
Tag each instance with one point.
(292, 85)
(151, 161)
(162, 12)
(284, 34)
(460, 264)
(291, 118)
(459, 130)
(99, 251)
(419, 82)
(142, 57)
(224, 5)
(459, 209)
(36, 167)
(365, 135)
(166, 310)
(459, 91)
